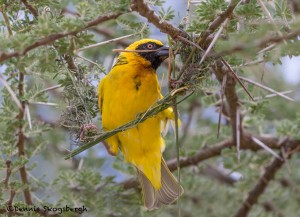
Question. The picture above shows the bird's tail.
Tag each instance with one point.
(169, 191)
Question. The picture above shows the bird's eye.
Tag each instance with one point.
(150, 46)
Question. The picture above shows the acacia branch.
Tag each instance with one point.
(8, 173)
(264, 180)
(21, 140)
(144, 10)
(6, 20)
(231, 97)
(11, 197)
(295, 6)
(33, 10)
(109, 35)
(51, 38)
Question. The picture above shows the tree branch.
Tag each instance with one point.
(231, 97)
(295, 6)
(8, 173)
(144, 10)
(6, 20)
(109, 35)
(21, 140)
(264, 180)
(51, 38)
(30, 8)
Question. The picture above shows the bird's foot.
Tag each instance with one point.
(175, 83)
(87, 132)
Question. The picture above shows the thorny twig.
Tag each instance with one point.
(11, 92)
(214, 40)
(266, 88)
(103, 43)
(237, 78)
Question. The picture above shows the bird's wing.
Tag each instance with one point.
(111, 143)
(101, 93)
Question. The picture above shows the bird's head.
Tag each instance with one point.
(150, 52)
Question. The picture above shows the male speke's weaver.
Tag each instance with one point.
(130, 88)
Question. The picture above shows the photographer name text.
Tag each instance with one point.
(58, 210)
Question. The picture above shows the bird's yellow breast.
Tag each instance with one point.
(128, 90)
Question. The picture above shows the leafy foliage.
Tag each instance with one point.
(166, 15)
(138, 28)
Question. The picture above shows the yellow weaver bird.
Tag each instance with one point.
(130, 88)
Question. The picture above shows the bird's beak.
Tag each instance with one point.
(162, 52)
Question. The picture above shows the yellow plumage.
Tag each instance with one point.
(131, 88)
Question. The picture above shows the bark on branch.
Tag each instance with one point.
(21, 140)
(231, 97)
(144, 10)
(51, 38)
(33, 10)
